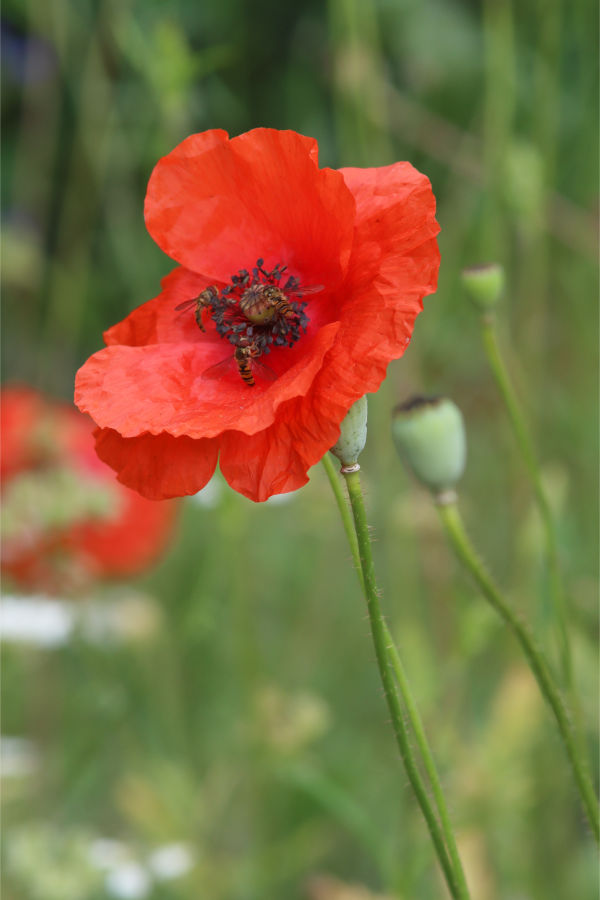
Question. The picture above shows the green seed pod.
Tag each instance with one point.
(429, 435)
(484, 285)
(353, 435)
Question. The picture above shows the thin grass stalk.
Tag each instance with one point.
(525, 444)
(459, 540)
(498, 118)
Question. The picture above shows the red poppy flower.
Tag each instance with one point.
(65, 517)
(296, 287)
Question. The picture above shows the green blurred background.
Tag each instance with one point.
(247, 724)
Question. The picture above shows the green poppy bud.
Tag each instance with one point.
(429, 435)
(484, 285)
(353, 435)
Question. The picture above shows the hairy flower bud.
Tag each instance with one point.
(484, 285)
(429, 436)
(353, 434)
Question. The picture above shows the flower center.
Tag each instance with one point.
(256, 310)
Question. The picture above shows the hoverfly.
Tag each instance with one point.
(204, 300)
(246, 360)
(260, 303)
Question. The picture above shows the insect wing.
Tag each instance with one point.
(187, 304)
(218, 371)
(309, 289)
(260, 370)
(228, 366)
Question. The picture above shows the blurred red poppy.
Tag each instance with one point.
(66, 519)
(296, 287)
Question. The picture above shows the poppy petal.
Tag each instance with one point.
(161, 387)
(158, 466)
(199, 143)
(277, 460)
(259, 195)
(158, 321)
(395, 230)
(357, 364)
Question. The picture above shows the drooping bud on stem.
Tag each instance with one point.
(429, 435)
(353, 436)
(484, 285)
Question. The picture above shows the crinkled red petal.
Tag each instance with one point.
(394, 265)
(394, 247)
(158, 466)
(260, 195)
(277, 460)
(158, 321)
(161, 388)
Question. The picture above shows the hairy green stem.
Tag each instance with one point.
(403, 684)
(517, 420)
(453, 524)
(380, 641)
(346, 515)
(428, 761)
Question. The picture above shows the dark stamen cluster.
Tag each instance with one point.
(280, 330)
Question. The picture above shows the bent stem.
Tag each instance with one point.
(517, 420)
(382, 640)
(453, 524)
(403, 684)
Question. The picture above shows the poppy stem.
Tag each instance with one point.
(459, 540)
(346, 515)
(525, 444)
(410, 705)
(401, 678)
(389, 663)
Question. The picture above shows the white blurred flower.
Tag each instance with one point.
(36, 620)
(106, 853)
(49, 622)
(170, 861)
(128, 881)
(50, 863)
(18, 757)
